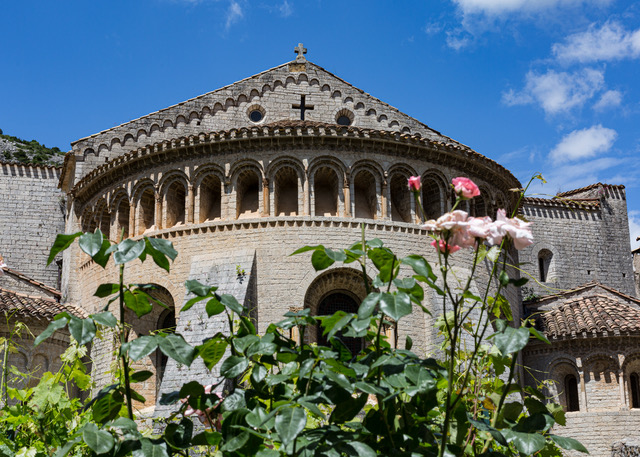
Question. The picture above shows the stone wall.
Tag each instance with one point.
(31, 214)
(587, 243)
(598, 432)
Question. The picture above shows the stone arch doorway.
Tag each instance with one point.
(334, 290)
(329, 305)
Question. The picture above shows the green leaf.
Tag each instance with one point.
(526, 443)
(192, 302)
(493, 253)
(179, 435)
(385, 261)
(510, 340)
(195, 287)
(361, 449)
(320, 260)
(207, 438)
(535, 333)
(83, 330)
(140, 376)
(100, 441)
(214, 307)
(150, 449)
(106, 318)
(504, 278)
(141, 347)
(234, 366)
(420, 266)
(61, 243)
(289, 423)
(348, 409)
(90, 243)
(164, 247)
(137, 302)
(177, 348)
(50, 330)
(306, 249)
(408, 343)
(368, 305)
(128, 250)
(568, 443)
(64, 450)
(212, 351)
(107, 407)
(231, 303)
(395, 305)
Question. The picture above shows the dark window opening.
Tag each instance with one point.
(167, 324)
(571, 392)
(256, 115)
(328, 306)
(344, 120)
(635, 390)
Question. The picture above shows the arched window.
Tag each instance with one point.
(166, 324)
(122, 212)
(146, 211)
(338, 301)
(175, 204)
(325, 190)
(210, 199)
(431, 198)
(366, 204)
(400, 199)
(247, 194)
(103, 219)
(286, 192)
(544, 264)
(478, 206)
(634, 384)
(571, 393)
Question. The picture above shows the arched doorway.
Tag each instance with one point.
(332, 303)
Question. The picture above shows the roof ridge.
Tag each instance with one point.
(589, 187)
(34, 282)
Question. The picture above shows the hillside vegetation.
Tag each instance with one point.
(14, 149)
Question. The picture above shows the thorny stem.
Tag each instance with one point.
(123, 340)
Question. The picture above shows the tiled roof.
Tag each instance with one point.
(589, 187)
(582, 203)
(37, 307)
(22, 277)
(584, 311)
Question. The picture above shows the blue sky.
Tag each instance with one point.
(546, 86)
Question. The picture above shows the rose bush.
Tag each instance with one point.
(291, 397)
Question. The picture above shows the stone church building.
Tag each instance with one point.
(240, 177)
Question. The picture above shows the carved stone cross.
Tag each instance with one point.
(300, 50)
(302, 106)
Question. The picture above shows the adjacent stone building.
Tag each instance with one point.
(240, 177)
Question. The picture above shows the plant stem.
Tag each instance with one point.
(123, 340)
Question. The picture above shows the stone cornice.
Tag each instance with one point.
(293, 135)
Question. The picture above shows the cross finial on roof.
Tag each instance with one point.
(300, 50)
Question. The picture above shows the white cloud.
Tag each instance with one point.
(286, 9)
(609, 42)
(557, 92)
(634, 228)
(609, 99)
(502, 7)
(583, 144)
(234, 13)
(457, 40)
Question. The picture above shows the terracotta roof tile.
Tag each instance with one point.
(589, 187)
(22, 277)
(596, 311)
(35, 307)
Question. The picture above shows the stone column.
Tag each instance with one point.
(226, 204)
(623, 402)
(384, 199)
(265, 197)
(583, 388)
(190, 204)
(132, 219)
(306, 189)
(158, 211)
(347, 196)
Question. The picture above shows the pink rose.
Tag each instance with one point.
(444, 247)
(202, 415)
(465, 188)
(517, 230)
(414, 184)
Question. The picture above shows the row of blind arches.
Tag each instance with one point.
(326, 192)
